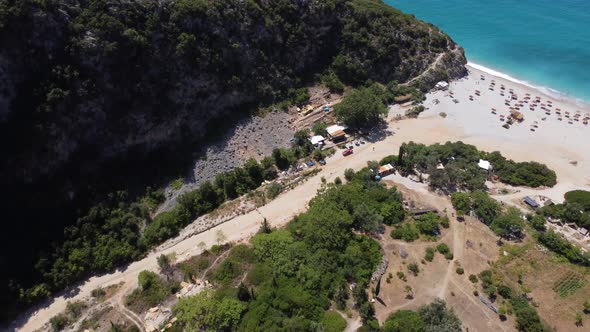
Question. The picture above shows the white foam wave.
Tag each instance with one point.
(545, 90)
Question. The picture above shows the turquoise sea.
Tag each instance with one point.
(545, 43)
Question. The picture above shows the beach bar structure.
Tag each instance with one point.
(516, 115)
(336, 133)
(386, 170)
(317, 140)
(442, 85)
(531, 202)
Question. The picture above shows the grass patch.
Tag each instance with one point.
(177, 184)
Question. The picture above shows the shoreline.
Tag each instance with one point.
(547, 91)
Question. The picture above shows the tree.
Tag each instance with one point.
(587, 306)
(461, 202)
(164, 263)
(508, 224)
(319, 128)
(349, 174)
(403, 321)
(283, 158)
(365, 219)
(437, 317)
(360, 109)
(264, 227)
(393, 213)
(204, 311)
(243, 293)
(538, 223)
(409, 292)
(220, 236)
(413, 267)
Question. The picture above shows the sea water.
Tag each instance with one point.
(545, 43)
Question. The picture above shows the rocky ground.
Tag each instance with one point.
(255, 137)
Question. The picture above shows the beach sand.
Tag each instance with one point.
(559, 144)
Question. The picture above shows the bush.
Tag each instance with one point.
(406, 231)
(273, 190)
(401, 276)
(319, 128)
(473, 278)
(579, 197)
(443, 248)
(333, 322)
(460, 271)
(349, 174)
(429, 256)
(413, 267)
(332, 82)
(505, 291)
(59, 322)
(98, 293)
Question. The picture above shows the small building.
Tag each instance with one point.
(442, 85)
(336, 133)
(484, 164)
(531, 202)
(317, 140)
(516, 115)
(583, 231)
(386, 170)
(548, 202)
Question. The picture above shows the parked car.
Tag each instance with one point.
(321, 162)
(347, 152)
(310, 163)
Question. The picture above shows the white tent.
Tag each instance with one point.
(442, 85)
(318, 139)
(484, 164)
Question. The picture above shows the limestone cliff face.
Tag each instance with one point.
(83, 83)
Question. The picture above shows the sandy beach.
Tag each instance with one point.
(557, 143)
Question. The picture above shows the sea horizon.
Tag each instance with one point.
(542, 44)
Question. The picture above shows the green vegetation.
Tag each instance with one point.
(432, 317)
(429, 255)
(527, 318)
(415, 111)
(402, 93)
(459, 169)
(561, 246)
(460, 271)
(333, 322)
(177, 184)
(413, 267)
(152, 290)
(473, 278)
(580, 198)
(206, 312)
(331, 81)
(297, 272)
(569, 284)
(407, 231)
(319, 128)
(362, 108)
(574, 210)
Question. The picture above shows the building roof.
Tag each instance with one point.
(334, 129)
(442, 85)
(316, 139)
(385, 168)
(484, 164)
(531, 202)
(338, 133)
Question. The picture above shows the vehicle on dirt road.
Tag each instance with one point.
(347, 152)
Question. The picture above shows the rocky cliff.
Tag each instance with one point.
(98, 95)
